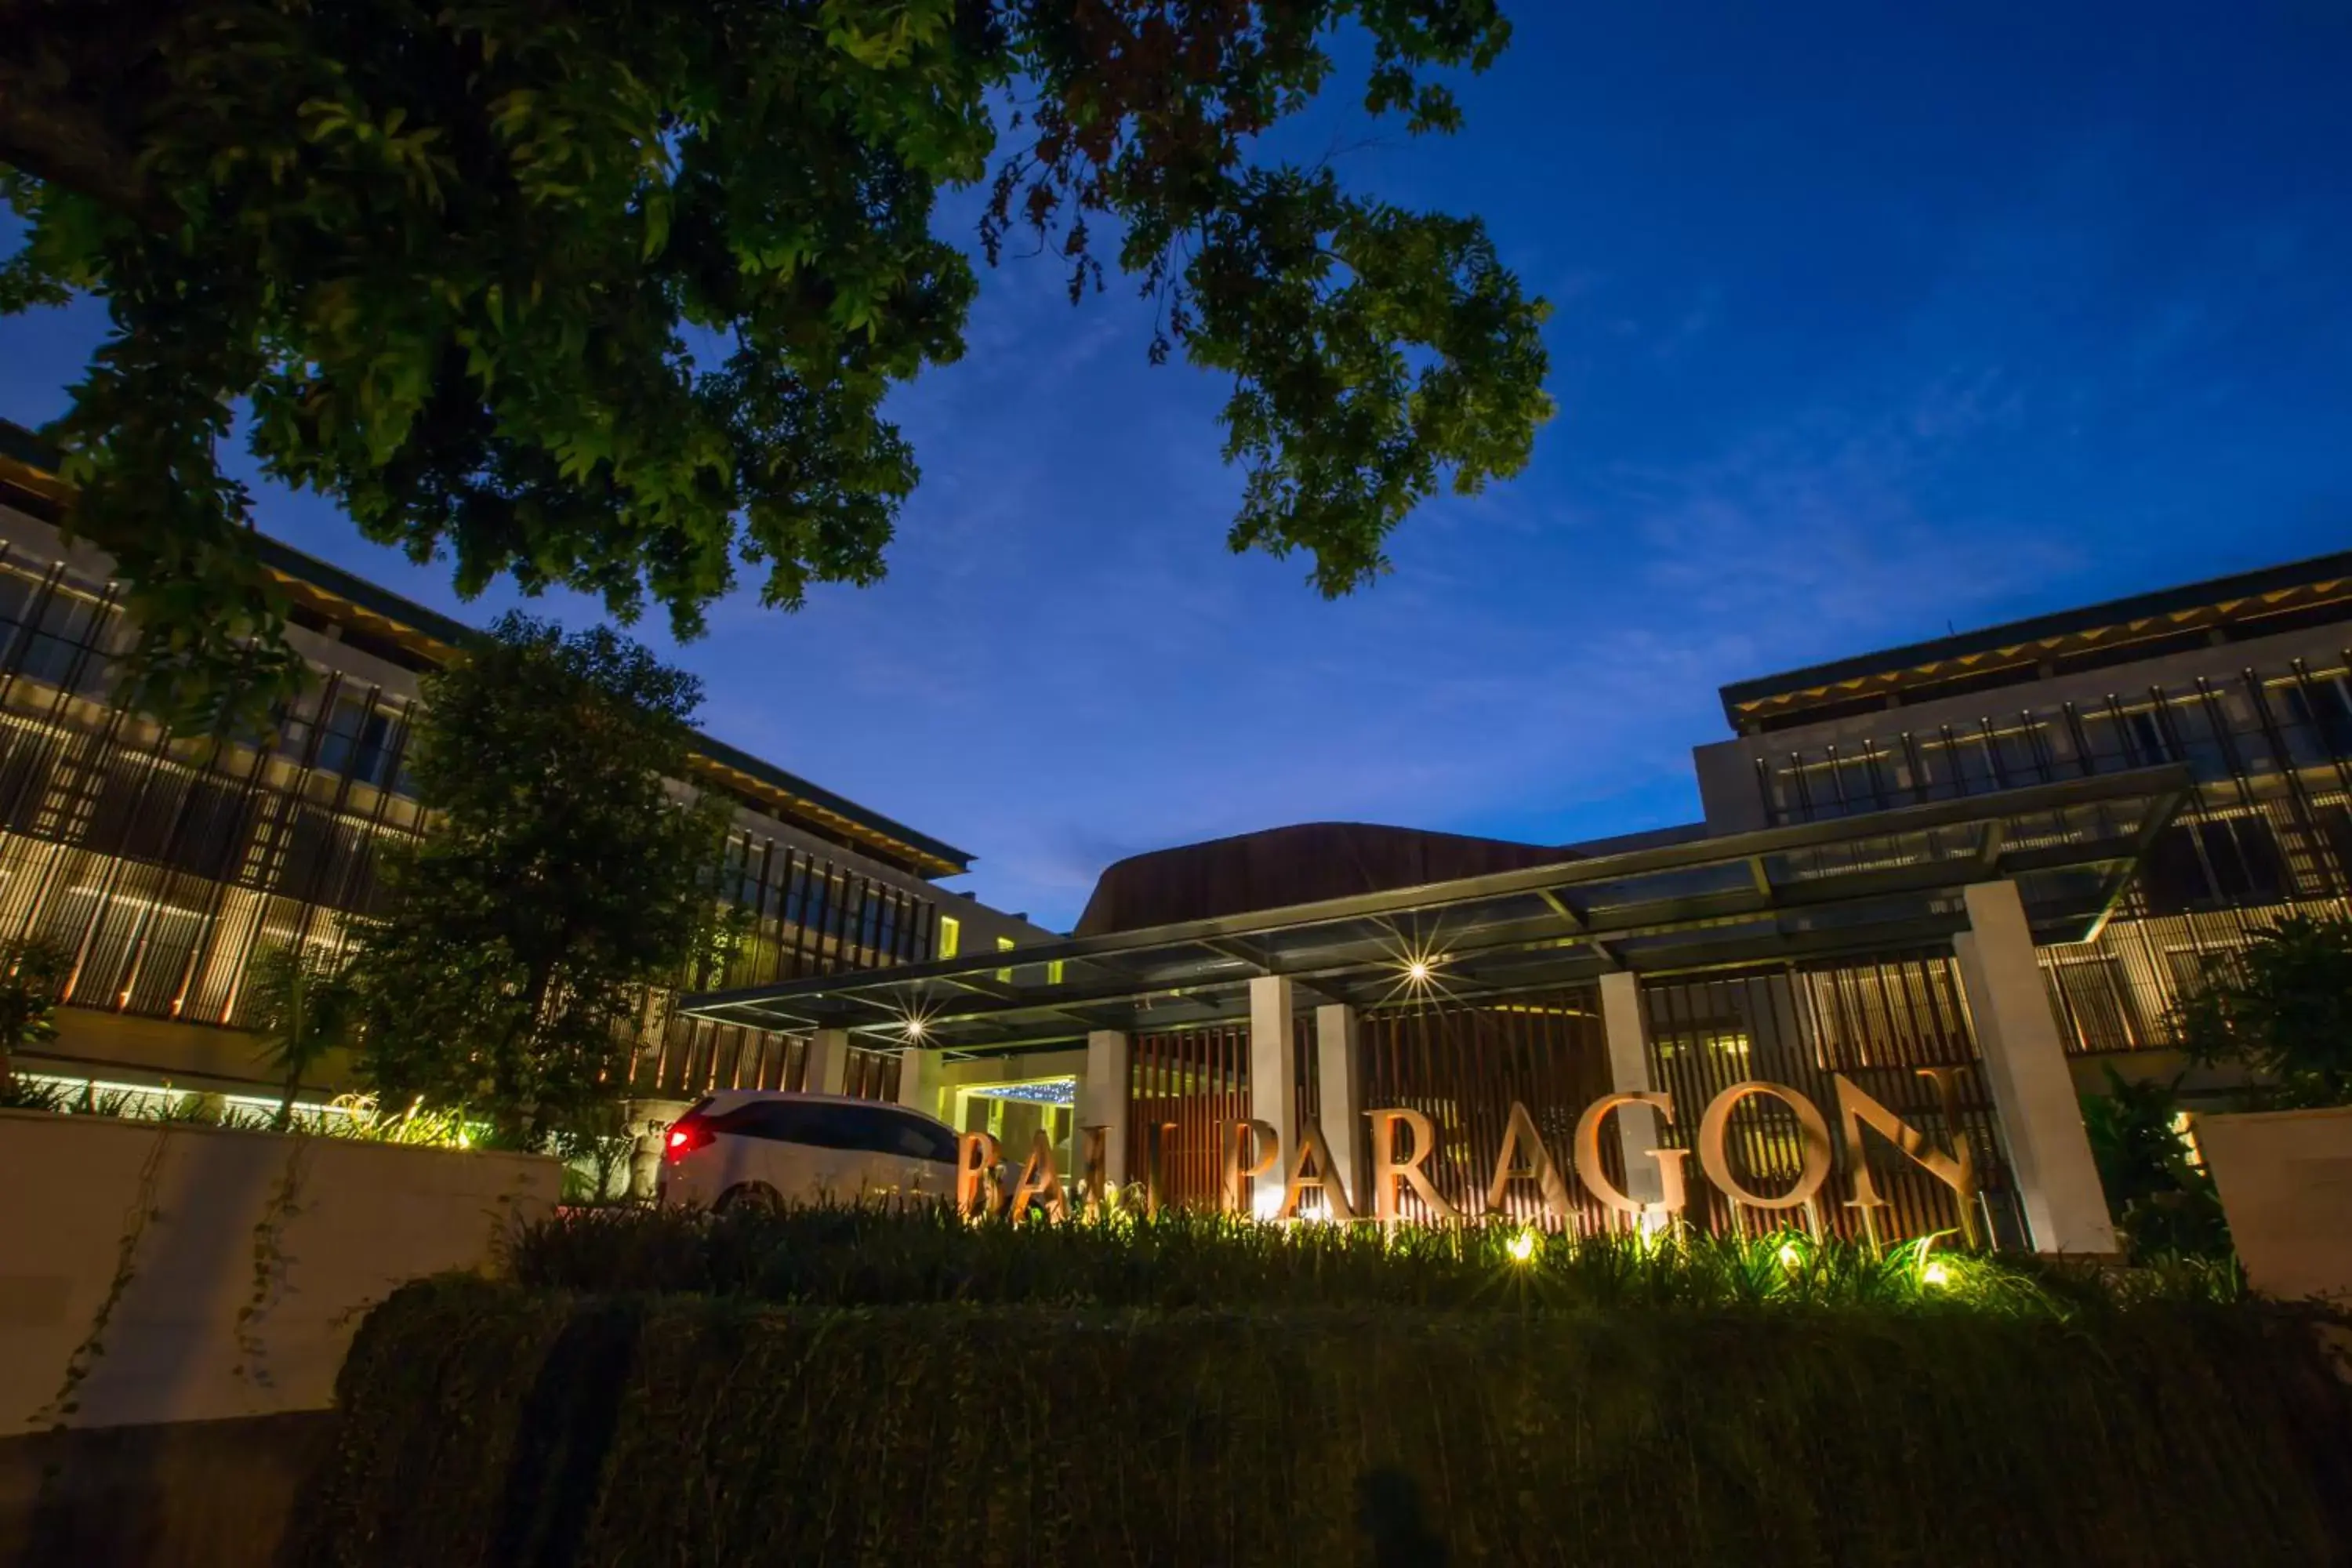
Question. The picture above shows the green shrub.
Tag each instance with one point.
(489, 1424)
(2163, 1203)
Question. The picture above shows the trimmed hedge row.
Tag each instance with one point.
(883, 1255)
(484, 1424)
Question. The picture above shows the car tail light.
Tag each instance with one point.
(686, 1134)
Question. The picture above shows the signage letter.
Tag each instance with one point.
(1094, 1168)
(1313, 1150)
(1388, 1169)
(1155, 1177)
(1521, 1128)
(1813, 1139)
(1956, 1170)
(976, 1154)
(1039, 1179)
(1251, 1154)
(1671, 1195)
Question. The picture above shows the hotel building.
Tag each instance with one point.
(1962, 876)
(163, 865)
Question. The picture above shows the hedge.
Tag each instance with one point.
(491, 1424)
(849, 1254)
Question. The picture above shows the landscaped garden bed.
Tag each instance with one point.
(857, 1386)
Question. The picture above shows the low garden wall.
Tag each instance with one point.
(157, 1272)
(940, 1405)
(2285, 1181)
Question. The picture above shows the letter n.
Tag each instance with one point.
(1958, 1170)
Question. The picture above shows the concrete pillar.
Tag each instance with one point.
(2025, 1066)
(828, 1062)
(1103, 1089)
(1629, 1073)
(919, 1080)
(1339, 1093)
(1273, 1085)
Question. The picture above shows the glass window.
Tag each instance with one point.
(916, 1139)
(357, 741)
(865, 1129)
(815, 1123)
(2229, 861)
(2319, 719)
(950, 936)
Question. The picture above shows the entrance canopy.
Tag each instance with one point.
(1886, 881)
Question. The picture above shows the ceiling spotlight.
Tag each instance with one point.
(914, 1028)
(1417, 971)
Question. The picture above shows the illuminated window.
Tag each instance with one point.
(950, 936)
(1004, 944)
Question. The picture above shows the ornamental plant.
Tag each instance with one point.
(31, 971)
(2281, 1007)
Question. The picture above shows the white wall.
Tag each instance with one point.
(2286, 1180)
(231, 1269)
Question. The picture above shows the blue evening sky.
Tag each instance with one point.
(1869, 321)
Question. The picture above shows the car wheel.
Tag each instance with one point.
(756, 1197)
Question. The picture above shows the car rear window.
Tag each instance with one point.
(865, 1129)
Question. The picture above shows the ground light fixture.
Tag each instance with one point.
(1521, 1246)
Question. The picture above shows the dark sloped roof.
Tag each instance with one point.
(1305, 863)
(2237, 602)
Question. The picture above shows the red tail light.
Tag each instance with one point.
(686, 1135)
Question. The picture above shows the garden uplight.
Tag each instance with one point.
(1521, 1246)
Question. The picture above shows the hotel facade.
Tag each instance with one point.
(1937, 889)
(163, 865)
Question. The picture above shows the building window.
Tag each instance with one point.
(357, 740)
(950, 936)
(1004, 944)
(2230, 861)
(2319, 719)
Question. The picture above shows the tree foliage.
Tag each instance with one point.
(2282, 1006)
(303, 1004)
(31, 971)
(563, 880)
(609, 293)
(2162, 1200)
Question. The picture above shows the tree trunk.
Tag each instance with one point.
(293, 1087)
(61, 72)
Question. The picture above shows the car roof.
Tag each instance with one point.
(729, 1098)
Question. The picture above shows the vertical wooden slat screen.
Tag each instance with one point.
(1876, 1022)
(1199, 1080)
(163, 867)
(1462, 1066)
(159, 865)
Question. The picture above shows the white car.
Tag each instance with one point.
(772, 1148)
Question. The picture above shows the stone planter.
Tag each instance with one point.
(2285, 1180)
(152, 1272)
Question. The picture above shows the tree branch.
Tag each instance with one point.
(48, 135)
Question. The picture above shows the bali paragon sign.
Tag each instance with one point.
(1402, 1139)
